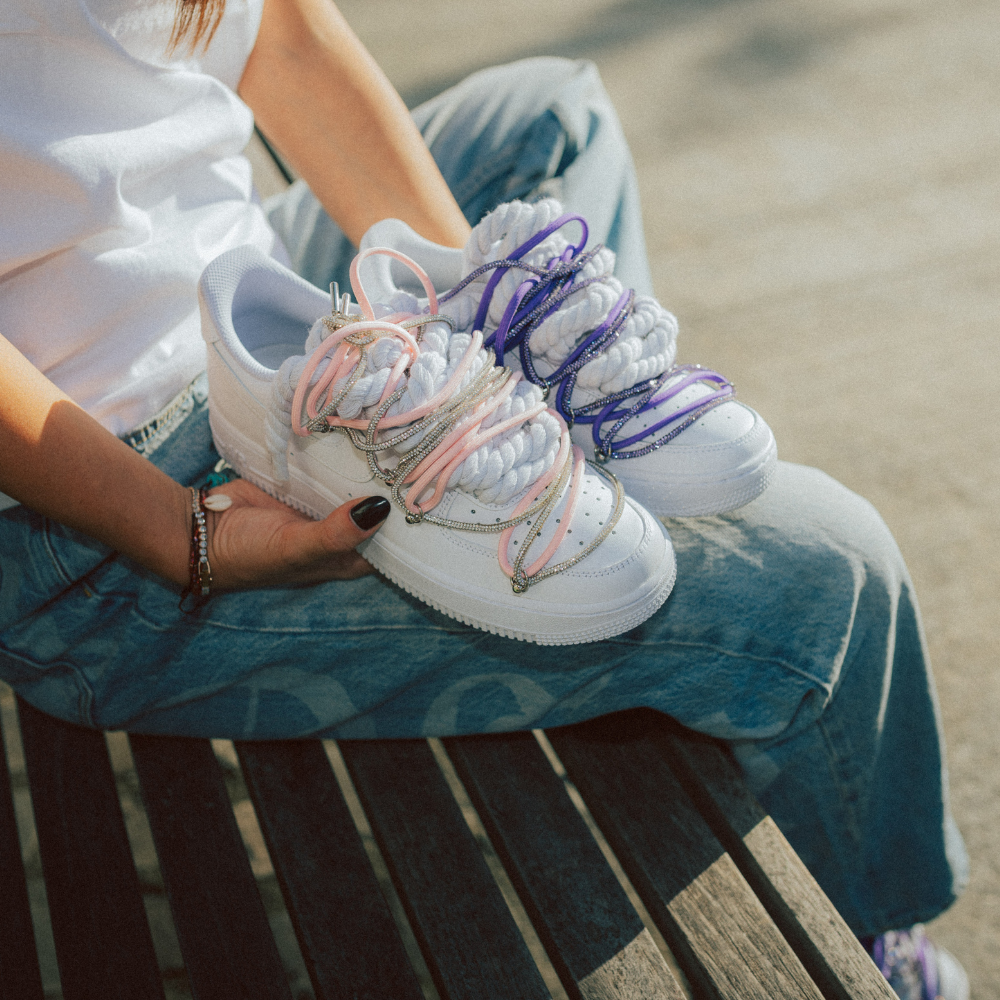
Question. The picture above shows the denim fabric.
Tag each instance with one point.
(792, 632)
(536, 128)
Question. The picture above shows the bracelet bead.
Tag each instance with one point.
(200, 579)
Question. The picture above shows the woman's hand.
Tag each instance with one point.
(260, 542)
(59, 461)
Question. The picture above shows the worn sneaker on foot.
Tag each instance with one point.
(918, 969)
(504, 527)
(673, 434)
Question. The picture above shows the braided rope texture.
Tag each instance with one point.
(495, 472)
(646, 345)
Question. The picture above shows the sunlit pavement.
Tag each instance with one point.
(821, 188)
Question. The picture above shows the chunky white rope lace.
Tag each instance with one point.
(432, 412)
(607, 352)
(646, 345)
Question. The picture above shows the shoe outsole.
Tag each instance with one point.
(594, 625)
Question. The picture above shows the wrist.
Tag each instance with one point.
(176, 553)
(199, 584)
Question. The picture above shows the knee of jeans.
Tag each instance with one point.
(514, 95)
(572, 90)
(538, 79)
(812, 505)
(871, 538)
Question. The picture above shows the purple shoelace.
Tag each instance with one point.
(541, 293)
(906, 959)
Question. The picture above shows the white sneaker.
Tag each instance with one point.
(917, 968)
(428, 418)
(674, 435)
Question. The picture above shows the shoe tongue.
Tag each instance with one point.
(383, 275)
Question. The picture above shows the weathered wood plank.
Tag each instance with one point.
(102, 937)
(345, 930)
(20, 978)
(715, 925)
(594, 937)
(828, 949)
(225, 938)
(469, 939)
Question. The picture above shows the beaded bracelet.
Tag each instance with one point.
(200, 578)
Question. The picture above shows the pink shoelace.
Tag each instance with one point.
(450, 421)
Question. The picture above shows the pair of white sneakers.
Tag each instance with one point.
(506, 397)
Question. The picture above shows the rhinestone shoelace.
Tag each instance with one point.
(906, 959)
(541, 293)
(448, 426)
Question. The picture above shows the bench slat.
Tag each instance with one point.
(102, 937)
(594, 937)
(20, 978)
(828, 949)
(717, 928)
(223, 930)
(346, 932)
(469, 939)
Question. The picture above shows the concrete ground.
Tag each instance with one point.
(822, 205)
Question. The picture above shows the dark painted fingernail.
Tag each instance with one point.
(369, 512)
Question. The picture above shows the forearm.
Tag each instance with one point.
(319, 95)
(59, 461)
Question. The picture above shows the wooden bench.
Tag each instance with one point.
(731, 899)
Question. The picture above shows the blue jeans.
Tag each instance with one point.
(793, 630)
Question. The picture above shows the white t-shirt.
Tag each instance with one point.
(121, 177)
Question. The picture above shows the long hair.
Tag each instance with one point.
(195, 23)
